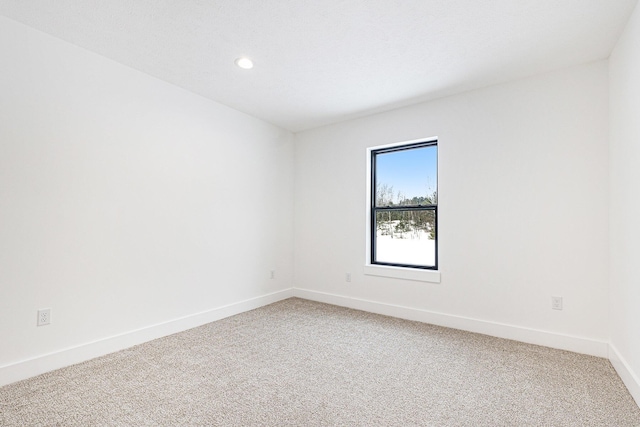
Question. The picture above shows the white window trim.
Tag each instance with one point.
(431, 276)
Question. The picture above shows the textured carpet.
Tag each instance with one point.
(303, 363)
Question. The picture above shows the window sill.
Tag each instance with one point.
(432, 276)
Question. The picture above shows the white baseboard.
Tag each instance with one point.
(70, 356)
(629, 378)
(517, 333)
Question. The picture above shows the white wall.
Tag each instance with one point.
(625, 205)
(523, 184)
(126, 202)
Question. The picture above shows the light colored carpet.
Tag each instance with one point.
(303, 363)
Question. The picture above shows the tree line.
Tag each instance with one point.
(398, 223)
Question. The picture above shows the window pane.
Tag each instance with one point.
(406, 237)
(407, 177)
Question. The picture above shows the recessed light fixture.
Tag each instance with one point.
(244, 62)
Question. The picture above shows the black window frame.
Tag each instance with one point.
(375, 209)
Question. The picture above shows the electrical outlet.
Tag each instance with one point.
(556, 303)
(44, 316)
(273, 274)
(347, 277)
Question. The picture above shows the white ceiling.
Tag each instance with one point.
(320, 62)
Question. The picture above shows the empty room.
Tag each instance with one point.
(305, 213)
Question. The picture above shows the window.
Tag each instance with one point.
(404, 205)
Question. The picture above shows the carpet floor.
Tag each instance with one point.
(302, 363)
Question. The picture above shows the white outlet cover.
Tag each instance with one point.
(44, 317)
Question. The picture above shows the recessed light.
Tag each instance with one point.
(244, 62)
